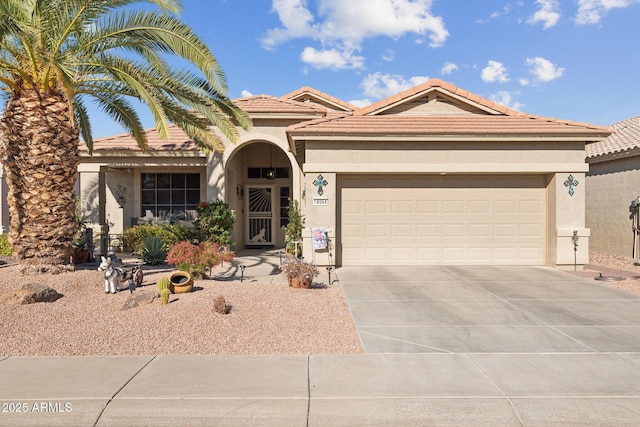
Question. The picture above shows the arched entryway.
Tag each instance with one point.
(260, 178)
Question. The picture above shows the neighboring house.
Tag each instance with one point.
(613, 182)
(433, 175)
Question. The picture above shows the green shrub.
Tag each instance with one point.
(154, 251)
(215, 221)
(5, 247)
(133, 237)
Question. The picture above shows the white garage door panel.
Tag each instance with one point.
(443, 220)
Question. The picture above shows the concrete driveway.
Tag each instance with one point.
(438, 309)
(492, 346)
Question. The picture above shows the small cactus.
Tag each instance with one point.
(164, 294)
(163, 283)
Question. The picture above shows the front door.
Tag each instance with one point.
(259, 210)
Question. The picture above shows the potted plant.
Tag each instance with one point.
(300, 273)
(81, 250)
(293, 229)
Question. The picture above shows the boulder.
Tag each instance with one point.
(30, 294)
(140, 297)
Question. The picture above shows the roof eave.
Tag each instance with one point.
(286, 116)
(295, 136)
(140, 154)
(615, 155)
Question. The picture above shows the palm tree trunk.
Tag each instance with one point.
(39, 152)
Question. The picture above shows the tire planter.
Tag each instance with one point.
(180, 282)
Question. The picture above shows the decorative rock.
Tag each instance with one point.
(30, 294)
(138, 298)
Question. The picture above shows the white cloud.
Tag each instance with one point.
(361, 102)
(245, 93)
(331, 58)
(378, 85)
(388, 55)
(592, 11)
(448, 68)
(343, 25)
(296, 19)
(548, 13)
(543, 69)
(357, 20)
(505, 98)
(494, 72)
(505, 11)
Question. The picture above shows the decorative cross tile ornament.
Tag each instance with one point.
(320, 182)
(571, 182)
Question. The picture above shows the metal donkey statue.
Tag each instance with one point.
(113, 276)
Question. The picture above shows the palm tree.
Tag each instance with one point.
(55, 55)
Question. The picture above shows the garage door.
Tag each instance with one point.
(448, 220)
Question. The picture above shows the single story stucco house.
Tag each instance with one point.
(432, 175)
(613, 182)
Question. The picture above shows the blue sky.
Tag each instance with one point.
(571, 59)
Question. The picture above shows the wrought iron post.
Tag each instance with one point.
(574, 239)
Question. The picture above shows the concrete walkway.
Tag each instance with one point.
(446, 346)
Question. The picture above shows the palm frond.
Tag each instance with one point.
(113, 53)
(82, 118)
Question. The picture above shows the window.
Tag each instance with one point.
(262, 172)
(284, 205)
(175, 194)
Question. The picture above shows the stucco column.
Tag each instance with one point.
(570, 221)
(215, 178)
(320, 206)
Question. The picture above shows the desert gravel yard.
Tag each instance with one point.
(263, 319)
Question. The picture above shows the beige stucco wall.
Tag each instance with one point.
(323, 213)
(569, 217)
(611, 186)
(556, 160)
(435, 157)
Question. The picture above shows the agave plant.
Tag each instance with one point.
(155, 250)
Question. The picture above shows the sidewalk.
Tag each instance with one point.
(322, 390)
(259, 266)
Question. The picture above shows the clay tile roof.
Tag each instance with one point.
(626, 137)
(307, 90)
(431, 84)
(454, 125)
(271, 104)
(177, 140)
